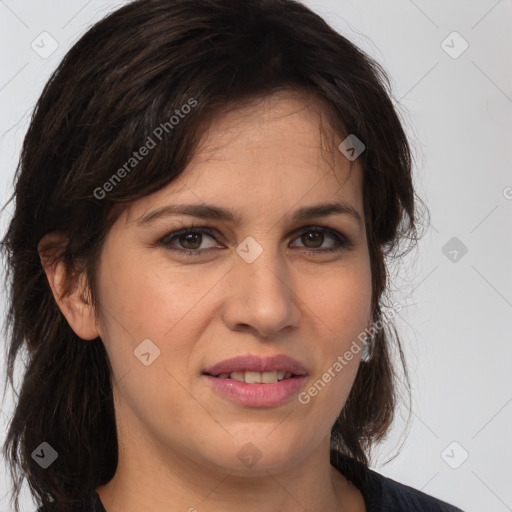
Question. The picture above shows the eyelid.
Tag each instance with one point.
(343, 242)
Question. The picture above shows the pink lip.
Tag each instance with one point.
(257, 395)
(257, 364)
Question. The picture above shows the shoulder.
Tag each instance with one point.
(397, 496)
(383, 494)
(90, 503)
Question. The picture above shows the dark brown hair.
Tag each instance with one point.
(124, 78)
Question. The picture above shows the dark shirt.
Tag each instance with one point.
(381, 494)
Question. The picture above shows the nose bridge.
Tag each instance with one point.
(264, 298)
(267, 273)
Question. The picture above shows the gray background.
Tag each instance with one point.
(456, 314)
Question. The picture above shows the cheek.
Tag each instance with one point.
(147, 300)
(340, 298)
(140, 305)
(141, 302)
(340, 312)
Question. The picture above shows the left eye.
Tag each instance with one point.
(190, 240)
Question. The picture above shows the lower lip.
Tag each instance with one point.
(257, 395)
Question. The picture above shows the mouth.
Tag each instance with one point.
(254, 369)
(251, 377)
(257, 381)
(257, 389)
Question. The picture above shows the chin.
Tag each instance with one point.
(255, 454)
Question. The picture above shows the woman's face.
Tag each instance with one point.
(248, 287)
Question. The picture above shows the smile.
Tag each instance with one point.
(251, 377)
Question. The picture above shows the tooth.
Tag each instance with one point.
(257, 377)
(252, 377)
(269, 377)
(240, 376)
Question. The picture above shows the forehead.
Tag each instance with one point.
(276, 150)
(273, 120)
(284, 137)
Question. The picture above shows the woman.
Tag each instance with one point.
(205, 198)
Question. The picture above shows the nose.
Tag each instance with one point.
(262, 299)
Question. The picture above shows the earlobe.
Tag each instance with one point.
(73, 300)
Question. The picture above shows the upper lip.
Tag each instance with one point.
(257, 364)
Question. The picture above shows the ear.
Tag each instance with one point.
(72, 296)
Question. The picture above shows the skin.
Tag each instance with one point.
(178, 437)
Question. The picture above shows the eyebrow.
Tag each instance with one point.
(208, 211)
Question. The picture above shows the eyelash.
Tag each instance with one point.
(343, 242)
